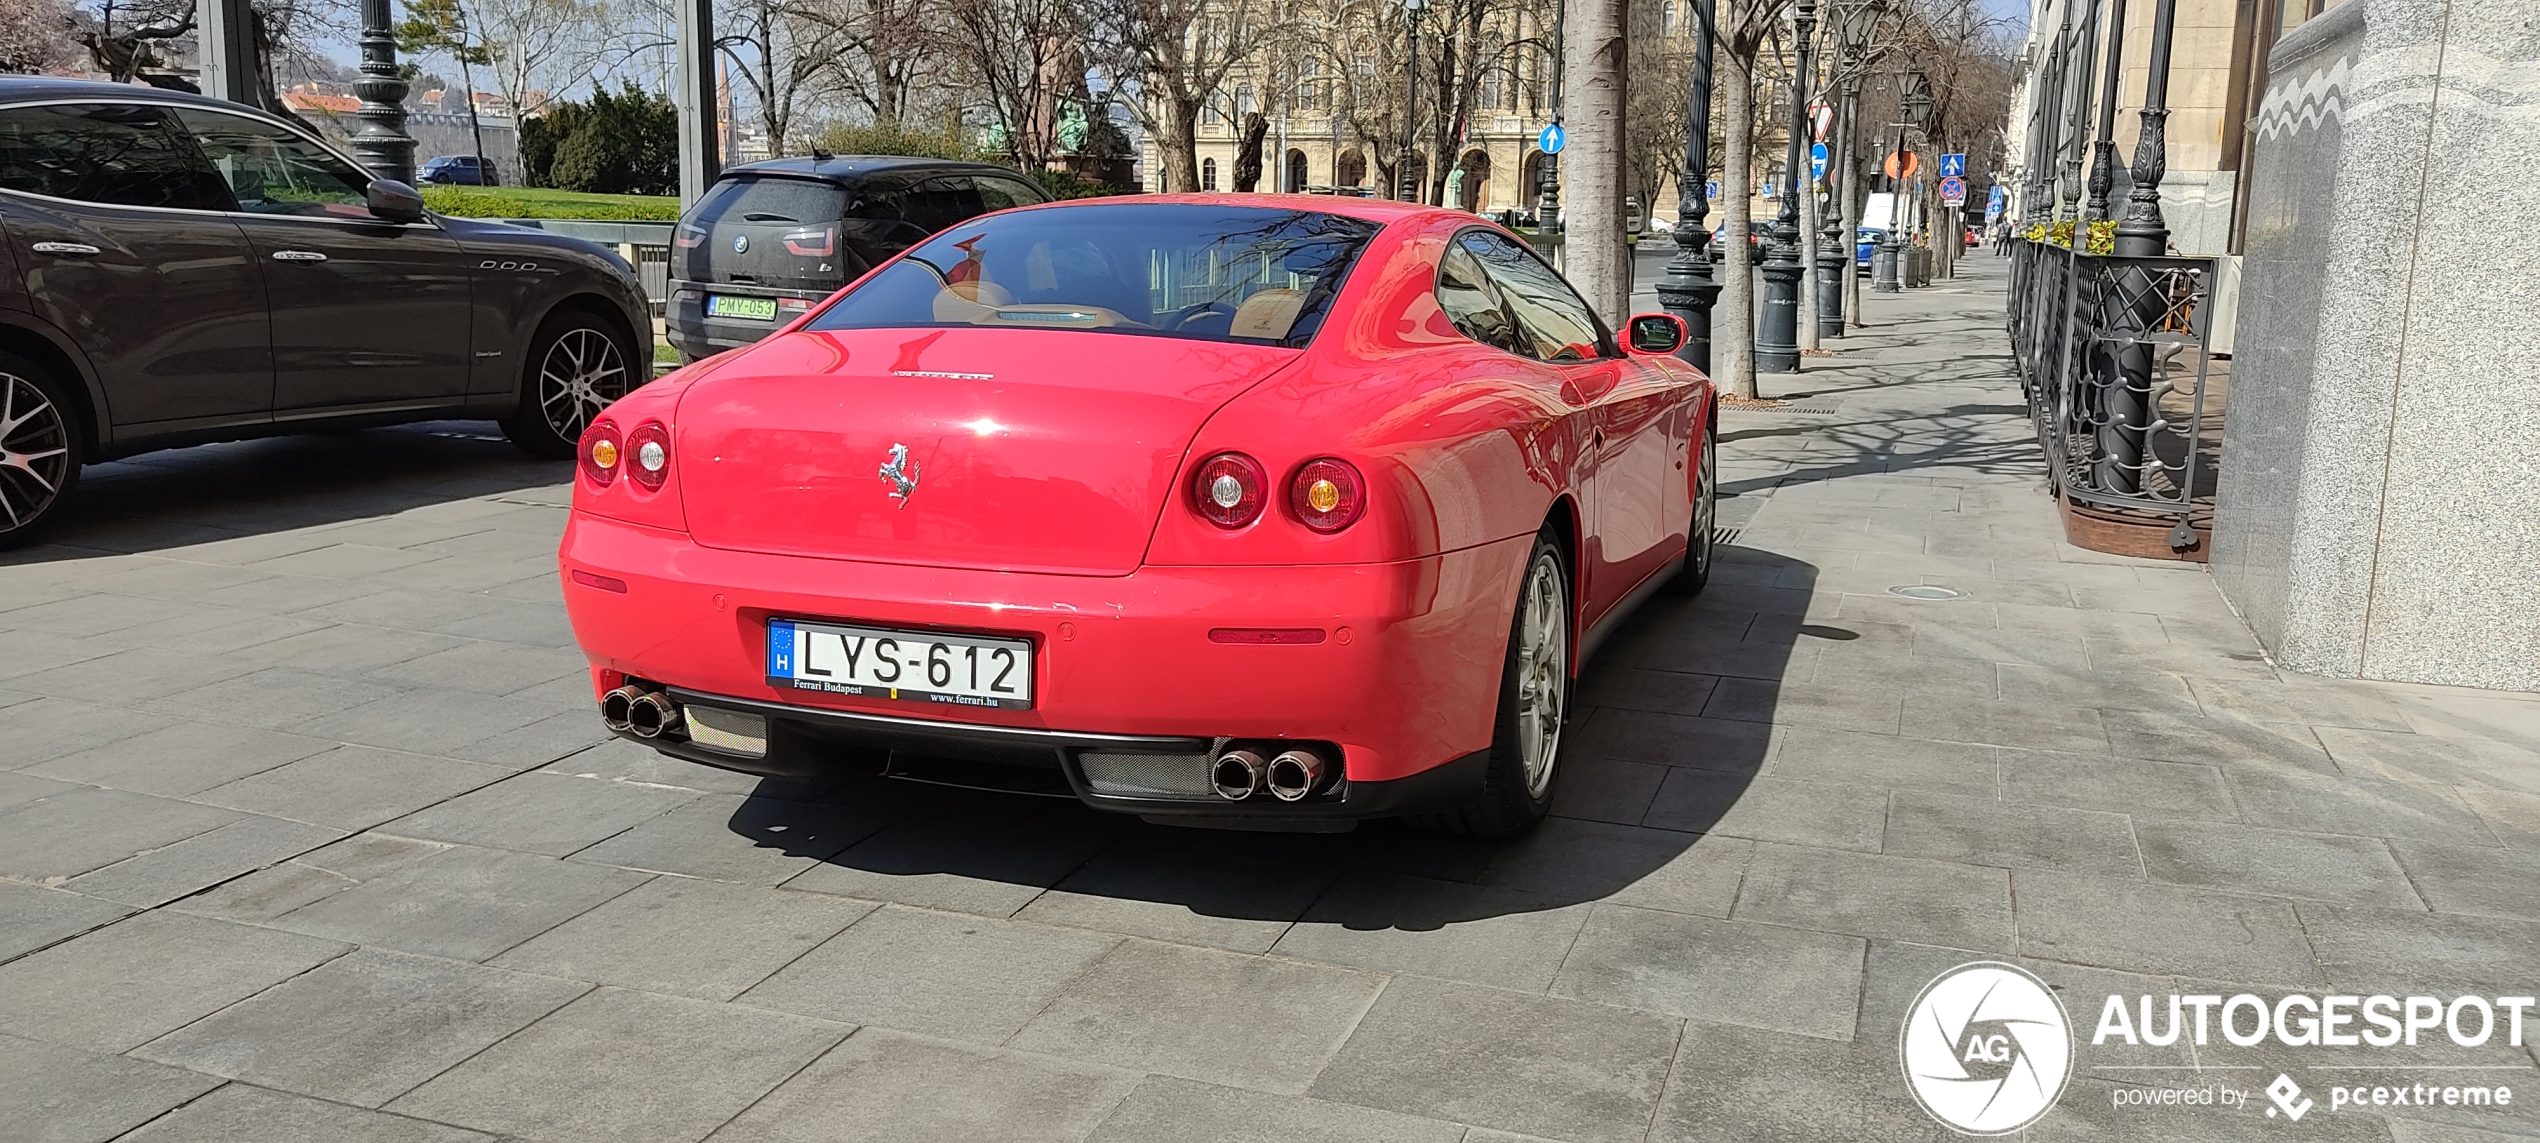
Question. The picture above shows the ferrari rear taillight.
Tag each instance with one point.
(1327, 494)
(1226, 489)
(602, 452)
(649, 444)
(813, 243)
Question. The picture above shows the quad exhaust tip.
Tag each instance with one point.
(1295, 774)
(1238, 774)
(634, 710)
(1291, 775)
(617, 705)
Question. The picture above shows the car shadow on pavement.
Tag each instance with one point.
(182, 498)
(1671, 725)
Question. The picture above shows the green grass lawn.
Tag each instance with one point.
(539, 202)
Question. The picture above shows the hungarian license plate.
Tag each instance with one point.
(911, 666)
(755, 309)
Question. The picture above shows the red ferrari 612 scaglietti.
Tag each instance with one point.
(1257, 511)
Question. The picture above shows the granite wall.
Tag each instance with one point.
(2379, 511)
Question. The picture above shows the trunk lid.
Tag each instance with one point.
(1029, 450)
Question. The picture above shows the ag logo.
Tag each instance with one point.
(1986, 1048)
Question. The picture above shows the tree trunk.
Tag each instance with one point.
(1733, 320)
(1597, 261)
(475, 130)
(1178, 146)
(1248, 159)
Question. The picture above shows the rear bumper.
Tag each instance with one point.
(1403, 683)
(690, 331)
(804, 742)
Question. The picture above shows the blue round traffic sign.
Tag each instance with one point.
(1953, 189)
(1816, 160)
(1552, 139)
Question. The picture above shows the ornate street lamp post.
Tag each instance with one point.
(1849, 21)
(2143, 233)
(1777, 335)
(1687, 290)
(1891, 253)
(2103, 151)
(382, 142)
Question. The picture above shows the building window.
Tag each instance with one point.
(1208, 174)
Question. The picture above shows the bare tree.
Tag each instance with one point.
(35, 35)
(785, 54)
(540, 46)
(1178, 53)
(1744, 28)
(1017, 53)
(890, 50)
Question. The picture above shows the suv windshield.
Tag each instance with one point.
(1213, 273)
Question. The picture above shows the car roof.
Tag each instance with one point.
(1376, 210)
(16, 88)
(849, 168)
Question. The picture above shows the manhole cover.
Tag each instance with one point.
(1931, 591)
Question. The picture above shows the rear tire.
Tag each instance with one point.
(576, 366)
(40, 449)
(1703, 532)
(1534, 700)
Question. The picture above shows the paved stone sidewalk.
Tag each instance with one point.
(307, 832)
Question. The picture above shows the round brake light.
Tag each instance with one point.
(1327, 494)
(650, 445)
(1226, 489)
(602, 449)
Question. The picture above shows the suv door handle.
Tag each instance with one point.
(66, 249)
(298, 256)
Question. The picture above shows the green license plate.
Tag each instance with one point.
(756, 309)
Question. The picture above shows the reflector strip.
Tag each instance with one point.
(1272, 636)
(604, 583)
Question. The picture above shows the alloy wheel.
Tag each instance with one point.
(1706, 507)
(583, 372)
(1543, 658)
(35, 452)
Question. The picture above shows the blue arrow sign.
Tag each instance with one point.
(1816, 160)
(1552, 139)
(1711, 190)
(1953, 165)
(1993, 202)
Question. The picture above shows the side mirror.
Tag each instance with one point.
(1655, 335)
(393, 201)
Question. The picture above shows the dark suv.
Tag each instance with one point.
(770, 239)
(179, 270)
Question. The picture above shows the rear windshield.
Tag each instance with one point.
(798, 201)
(1206, 272)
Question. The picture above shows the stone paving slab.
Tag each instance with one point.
(307, 832)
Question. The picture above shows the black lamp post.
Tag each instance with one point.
(382, 142)
(1916, 104)
(1687, 290)
(2143, 233)
(1777, 335)
(1849, 21)
(2103, 151)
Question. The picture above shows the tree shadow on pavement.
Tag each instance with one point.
(1671, 722)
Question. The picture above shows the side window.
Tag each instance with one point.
(1472, 303)
(1553, 324)
(945, 200)
(272, 171)
(109, 153)
(999, 193)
